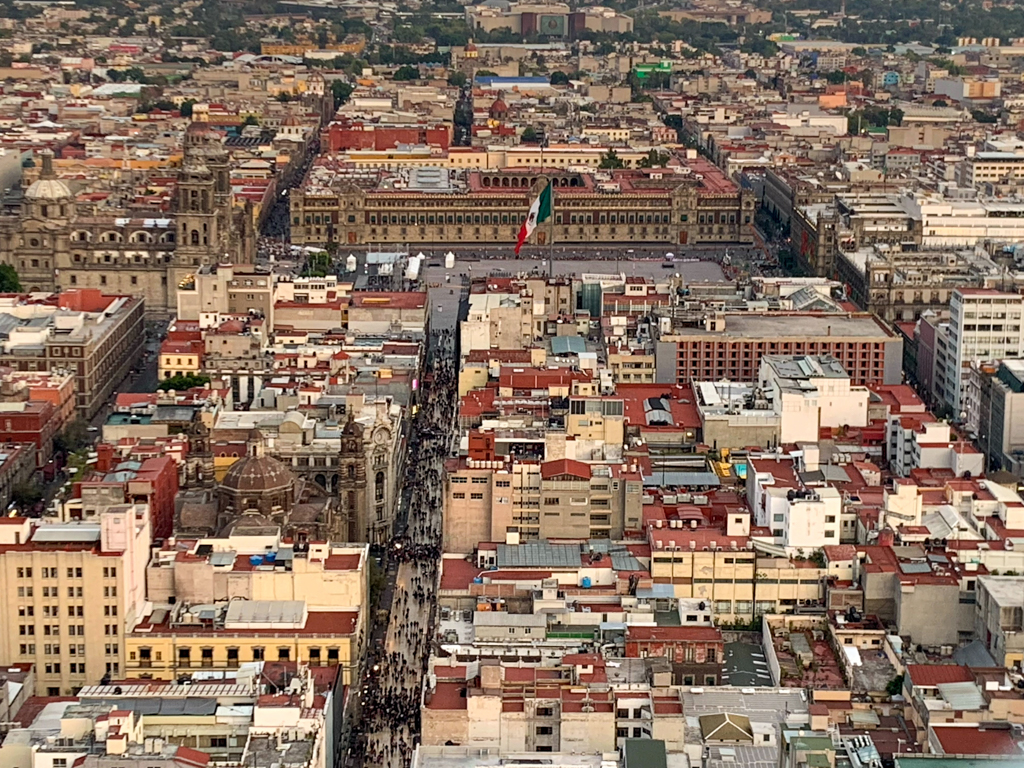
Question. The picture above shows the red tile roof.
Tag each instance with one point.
(969, 740)
(930, 675)
(559, 467)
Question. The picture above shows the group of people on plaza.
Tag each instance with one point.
(390, 688)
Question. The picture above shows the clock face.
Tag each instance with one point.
(380, 436)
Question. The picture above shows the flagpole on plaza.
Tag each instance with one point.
(551, 227)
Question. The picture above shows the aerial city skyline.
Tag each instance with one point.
(436, 385)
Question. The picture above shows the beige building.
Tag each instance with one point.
(999, 618)
(524, 708)
(97, 336)
(783, 585)
(498, 321)
(173, 641)
(694, 204)
(563, 498)
(227, 289)
(179, 358)
(53, 244)
(69, 594)
(266, 600)
(631, 366)
(327, 576)
(712, 565)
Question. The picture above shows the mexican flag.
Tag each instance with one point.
(540, 212)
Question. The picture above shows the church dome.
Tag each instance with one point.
(258, 474)
(48, 189)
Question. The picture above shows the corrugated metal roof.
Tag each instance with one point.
(539, 554)
(962, 696)
(915, 567)
(568, 345)
(678, 478)
(7, 324)
(158, 706)
(59, 533)
(222, 558)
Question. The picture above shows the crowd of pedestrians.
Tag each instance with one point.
(391, 684)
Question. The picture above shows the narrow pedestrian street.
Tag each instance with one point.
(391, 685)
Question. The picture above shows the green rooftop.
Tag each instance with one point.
(644, 753)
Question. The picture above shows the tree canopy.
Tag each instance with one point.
(9, 280)
(406, 72)
(611, 159)
(183, 381)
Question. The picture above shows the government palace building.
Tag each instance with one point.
(692, 203)
(56, 242)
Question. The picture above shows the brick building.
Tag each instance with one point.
(152, 481)
(36, 422)
(17, 464)
(696, 653)
(344, 135)
(731, 345)
(95, 335)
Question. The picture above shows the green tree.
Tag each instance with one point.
(895, 686)
(284, 97)
(611, 159)
(186, 108)
(940, 103)
(9, 281)
(982, 116)
(654, 159)
(559, 78)
(406, 73)
(341, 91)
(529, 135)
(183, 381)
(457, 79)
(250, 120)
(26, 494)
(836, 77)
(859, 51)
(75, 437)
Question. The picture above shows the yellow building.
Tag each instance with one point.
(221, 636)
(69, 592)
(279, 48)
(180, 358)
(598, 419)
(219, 602)
(631, 366)
(783, 585)
(716, 566)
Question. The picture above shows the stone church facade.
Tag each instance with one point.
(54, 246)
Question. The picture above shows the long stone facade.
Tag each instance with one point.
(695, 204)
(56, 242)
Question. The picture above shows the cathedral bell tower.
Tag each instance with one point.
(200, 225)
(352, 482)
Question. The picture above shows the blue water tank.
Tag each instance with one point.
(255, 560)
(478, 580)
(270, 557)
(586, 582)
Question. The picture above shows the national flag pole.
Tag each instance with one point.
(540, 211)
(551, 236)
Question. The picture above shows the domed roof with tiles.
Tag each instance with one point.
(255, 474)
(48, 189)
